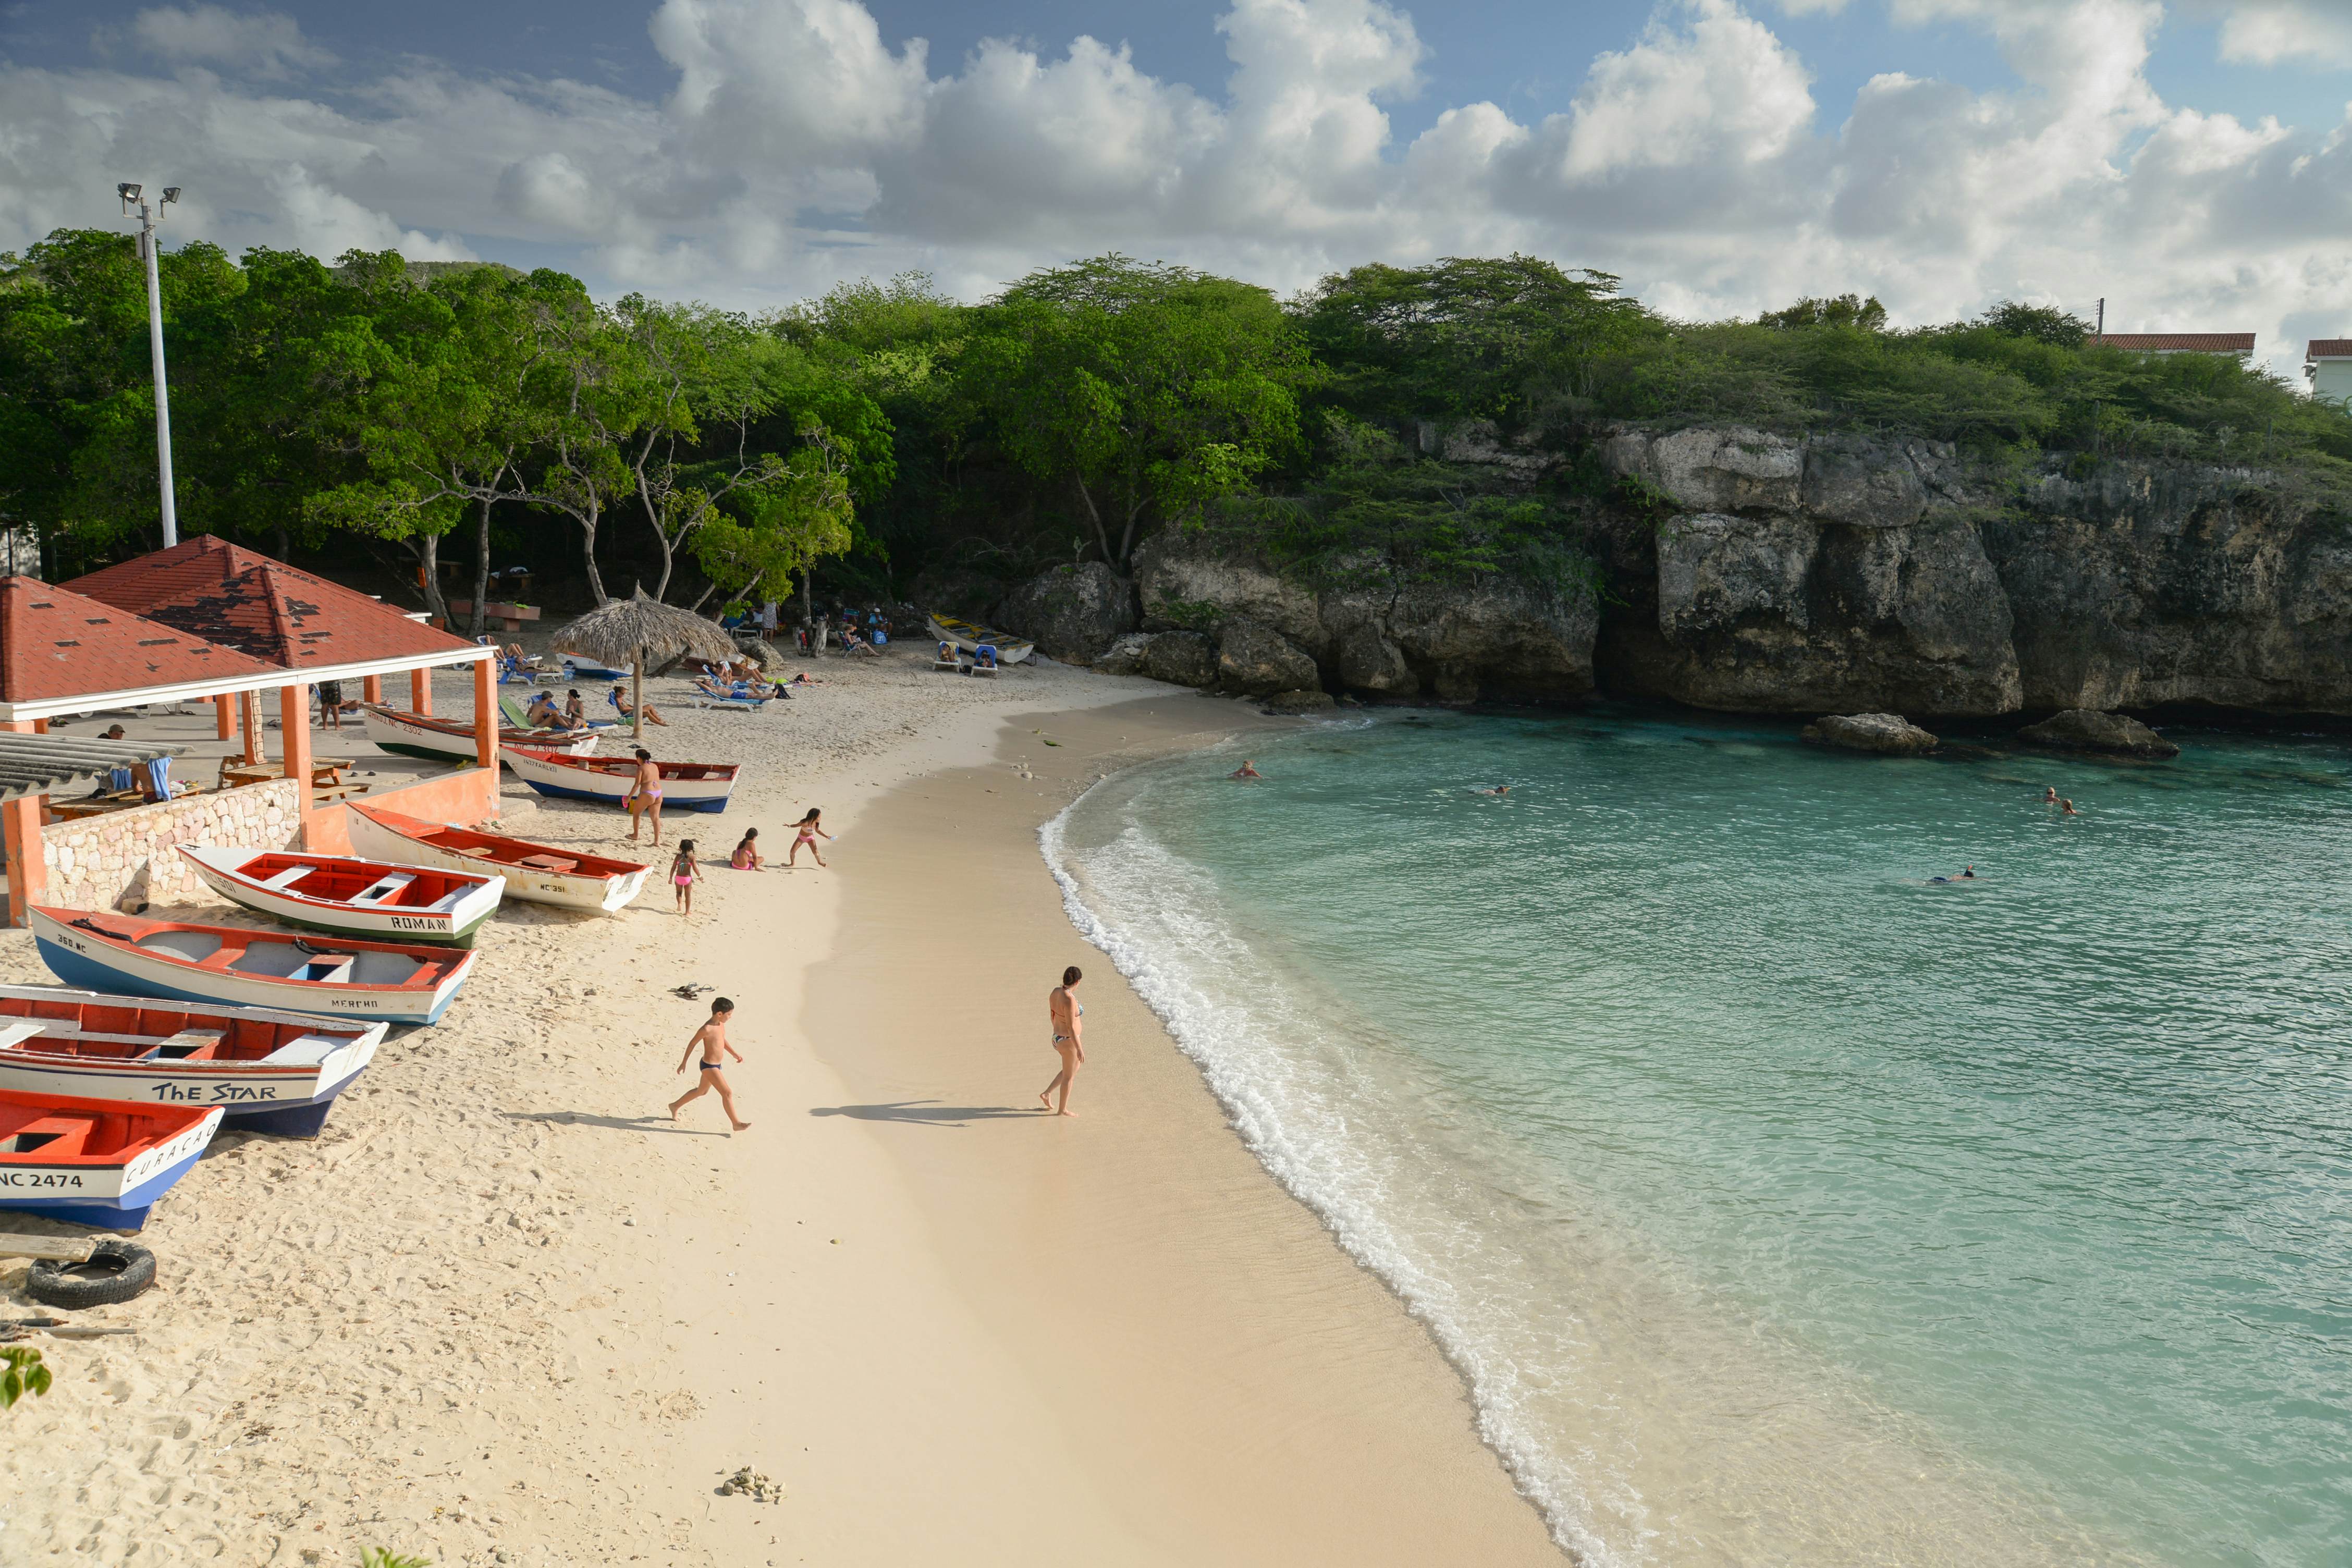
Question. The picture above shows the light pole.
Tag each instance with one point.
(148, 247)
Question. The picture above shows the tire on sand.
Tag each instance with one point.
(115, 1271)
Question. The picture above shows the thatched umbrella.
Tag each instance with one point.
(625, 631)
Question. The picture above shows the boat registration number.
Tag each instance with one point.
(23, 1180)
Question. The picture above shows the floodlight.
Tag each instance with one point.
(171, 193)
(129, 192)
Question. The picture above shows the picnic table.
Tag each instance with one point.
(327, 779)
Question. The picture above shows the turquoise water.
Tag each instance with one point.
(1777, 1205)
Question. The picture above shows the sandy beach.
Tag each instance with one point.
(505, 1311)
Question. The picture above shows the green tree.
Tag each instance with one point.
(592, 393)
(1149, 390)
(1848, 310)
(802, 515)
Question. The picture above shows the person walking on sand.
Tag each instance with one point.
(645, 795)
(747, 856)
(807, 830)
(712, 1041)
(1067, 1014)
(683, 874)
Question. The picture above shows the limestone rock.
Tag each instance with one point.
(1072, 613)
(1180, 659)
(1124, 656)
(1306, 700)
(1366, 660)
(2088, 729)
(1890, 734)
(1255, 659)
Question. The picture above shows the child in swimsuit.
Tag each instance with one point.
(716, 1047)
(809, 832)
(683, 874)
(747, 854)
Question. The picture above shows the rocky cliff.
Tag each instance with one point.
(1829, 574)
(1853, 572)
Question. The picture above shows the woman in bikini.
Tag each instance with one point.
(1067, 1013)
(712, 1040)
(807, 831)
(683, 874)
(645, 795)
(747, 857)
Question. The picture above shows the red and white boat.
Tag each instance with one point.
(350, 897)
(539, 873)
(267, 1071)
(410, 734)
(686, 786)
(96, 1162)
(399, 982)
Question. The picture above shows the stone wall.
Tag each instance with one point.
(91, 862)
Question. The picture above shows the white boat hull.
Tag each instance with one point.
(112, 1197)
(288, 1091)
(392, 732)
(605, 894)
(962, 635)
(550, 778)
(77, 959)
(218, 866)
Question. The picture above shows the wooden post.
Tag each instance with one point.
(223, 717)
(41, 726)
(371, 688)
(251, 703)
(637, 695)
(20, 844)
(294, 731)
(485, 713)
(420, 690)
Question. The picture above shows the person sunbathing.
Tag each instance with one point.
(543, 714)
(852, 643)
(575, 712)
(621, 706)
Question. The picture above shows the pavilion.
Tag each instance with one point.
(207, 619)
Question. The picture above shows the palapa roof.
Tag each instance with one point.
(2181, 343)
(281, 614)
(56, 643)
(613, 633)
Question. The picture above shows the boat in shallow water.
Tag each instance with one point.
(538, 873)
(267, 1070)
(338, 975)
(95, 1162)
(686, 786)
(354, 898)
(407, 734)
(971, 635)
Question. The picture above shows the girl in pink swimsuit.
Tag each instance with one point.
(683, 874)
(806, 831)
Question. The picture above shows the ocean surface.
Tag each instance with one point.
(1779, 1204)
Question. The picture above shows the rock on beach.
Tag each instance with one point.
(2088, 729)
(1888, 735)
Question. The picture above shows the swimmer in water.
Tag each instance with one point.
(2066, 808)
(2050, 794)
(1499, 789)
(1968, 873)
(1248, 769)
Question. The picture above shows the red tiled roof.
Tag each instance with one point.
(2183, 342)
(226, 594)
(2329, 348)
(56, 643)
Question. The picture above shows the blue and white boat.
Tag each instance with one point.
(685, 786)
(336, 975)
(267, 1070)
(96, 1162)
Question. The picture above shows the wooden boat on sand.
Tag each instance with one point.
(265, 1070)
(354, 897)
(399, 982)
(539, 873)
(424, 735)
(96, 1162)
(686, 786)
(969, 636)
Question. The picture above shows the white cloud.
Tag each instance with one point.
(2288, 32)
(800, 146)
(264, 43)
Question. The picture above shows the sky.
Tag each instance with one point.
(2189, 160)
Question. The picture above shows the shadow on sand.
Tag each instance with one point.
(926, 1113)
(618, 1123)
